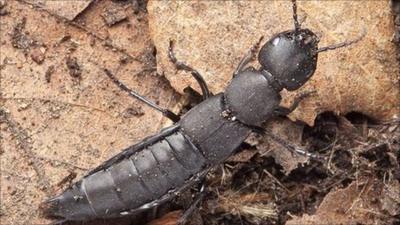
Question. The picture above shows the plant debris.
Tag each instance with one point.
(255, 206)
(396, 17)
(63, 9)
(114, 15)
(74, 68)
(50, 70)
(3, 10)
(391, 201)
(19, 38)
(133, 111)
(38, 55)
(170, 218)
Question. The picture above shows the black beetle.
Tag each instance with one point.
(153, 171)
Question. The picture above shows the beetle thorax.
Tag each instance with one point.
(250, 98)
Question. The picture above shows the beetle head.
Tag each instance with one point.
(291, 57)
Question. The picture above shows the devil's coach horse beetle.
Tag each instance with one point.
(155, 170)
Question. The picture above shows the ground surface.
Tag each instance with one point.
(60, 115)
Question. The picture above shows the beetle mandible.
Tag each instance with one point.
(155, 170)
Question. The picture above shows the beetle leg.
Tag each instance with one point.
(182, 66)
(167, 113)
(283, 111)
(250, 68)
(59, 222)
(292, 148)
(189, 211)
(168, 196)
(248, 57)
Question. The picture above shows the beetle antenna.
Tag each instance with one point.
(296, 21)
(342, 44)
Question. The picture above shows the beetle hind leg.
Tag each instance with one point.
(166, 112)
(193, 205)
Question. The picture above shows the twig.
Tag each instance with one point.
(25, 145)
(276, 180)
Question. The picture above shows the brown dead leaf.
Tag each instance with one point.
(351, 205)
(62, 8)
(212, 36)
(242, 157)
(266, 146)
(114, 15)
(256, 207)
(56, 126)
(391, 199)
(3, 8)
(170, 218)
(290, 132)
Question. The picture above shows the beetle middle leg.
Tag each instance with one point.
(283, 111)
(291, 147)
(183, 66)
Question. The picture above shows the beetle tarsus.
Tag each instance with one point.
(291, 147)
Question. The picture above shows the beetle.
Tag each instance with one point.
(160, 167)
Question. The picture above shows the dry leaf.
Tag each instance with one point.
(256, 207)
(290, 132)
(351, 205)
(52, 123)
(62, 8)
(170, 218)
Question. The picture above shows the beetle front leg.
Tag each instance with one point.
(284, 111)
(248, 57)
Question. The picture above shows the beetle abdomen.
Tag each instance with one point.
(130, 183)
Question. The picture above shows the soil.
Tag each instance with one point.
(60, 116)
